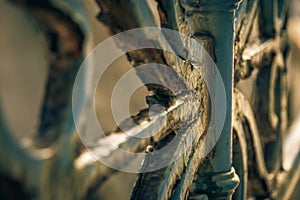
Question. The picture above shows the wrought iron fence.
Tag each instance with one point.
(245, 40)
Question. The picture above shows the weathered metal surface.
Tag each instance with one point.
(154, 128)
(162, 182)
(213, 21)
(249, 150)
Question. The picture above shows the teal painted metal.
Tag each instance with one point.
(242, 141)
(218, 22)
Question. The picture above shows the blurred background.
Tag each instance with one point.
(24, 68)
(23, 75)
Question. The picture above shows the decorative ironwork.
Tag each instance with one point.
(248, 158)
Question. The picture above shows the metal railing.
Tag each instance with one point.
(249, 160)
